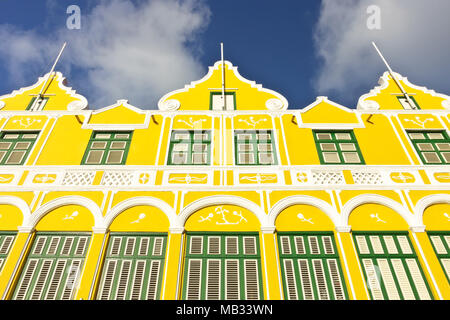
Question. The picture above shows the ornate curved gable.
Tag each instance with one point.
(387, 96)
(57, 96)
(240, 93)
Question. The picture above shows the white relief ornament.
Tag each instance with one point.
(192, 124)
(72, 216)
(303, 219)
(418, 122)
(208, 218)
(144, 178)
(375, 216)
(258, 178)
(274, 104)
(224, 215)
(141, 216)
(187, 179)
(26, 122)
(251, 122)
(170, 105)
(447, 216)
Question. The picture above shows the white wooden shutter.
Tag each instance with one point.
(143, 246)
(372, 279)
(42, 279)
(362, 245)
(390, 244)
(196, 245)
(40, 242)
(213, 276)
(105, 291)
(313, 245)
(438, 245)
(251, 279)
(305, 278)
(404, 244)
(376, 244)
(138, 279)
(67, 246)
(336, 280)
(155, 267)
(328, 245)
(418, 280)
(299, 245)
(81, 246)
(7, 241)
(158, 246)
(53, 245)
(123, 279)
(321, 282)
(213, 245)
(285, 245)
(55, 282)
(194, 279)
(231, 279)
(26, 279)
(388, 279)
(231, 245)
(71, 280)
(115, 248)
(402, 278)
(129, 248)
(249, 245)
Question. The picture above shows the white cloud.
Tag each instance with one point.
(413, 38)
(123, 50)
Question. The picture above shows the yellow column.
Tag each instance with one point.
(92, 266)
(270, 265)
(173, 267)
(353, 274)
(431, 266)
(14, 262)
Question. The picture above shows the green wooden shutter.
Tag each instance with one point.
(222, 266)
(310, 267)
(391, 267)
(6, 241)
(53, 267)
(133, 267)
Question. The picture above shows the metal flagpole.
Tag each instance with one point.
(223, 75)
(394, 78)
(39, 96)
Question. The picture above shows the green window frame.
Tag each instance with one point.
(133, 267)
(107, 148)
(222, 266)
(219, 93)
(15, 146)
(402, 99)
(433, 147)
(441, 245)
(6, 242)
(310, 266)
(338, 147)
(43, 103)
(190, 147)
(254, 147)
(391, 268)
(53, 266)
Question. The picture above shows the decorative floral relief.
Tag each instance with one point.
(418, 122)
(442, 176)
(191, 123)
(258, 178)
(303, 219)
(72, 216)
(26, 122)
(6, 178)
(375, 216)
(251, 122)
(141, 216)
(188, 178)
(44, 178)
(144, 178)
(302, 177)
(224, 217)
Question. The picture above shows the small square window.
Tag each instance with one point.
(246, 158)
(102, 136)
(11, 136)
(199, 147)
(262, 137)
(343, 136)
(179, 158)
(98, 145)
(15, 157)
(118, 144)
(425, 146)
(351, 157)
(347, 146)
(30, 136)
(181, 136)
(245, 147)
(443, 146)
(265, 158)
(199, 158)
(122, 136)
(323, 136)
(2, 155)
(22, 145)
(5, 145)
(435, 136)
(244, 136)
(94, 157)
(114, 157)
(446, 156)
(417, 136)
(181, 147)
(265, 147)
(328, 147)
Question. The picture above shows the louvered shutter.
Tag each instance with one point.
(54, 242)
(138, 280)
(39, 246)
(123, 279)
(388, 279)
(376, 244)
(194, 279)
(372, 279)
(251, 279)
(231, 245)
(129, 249)
(446, 265)
(313, 245)
(105, 291)
(6, 244)
(157, 246)
(71, 279)
(328, 245)
(305, 278)
(213, 245)
(67, 246)
(26, 280)
(285, 245)
(155, 266)
(143, 246)
(390, 244)
(336, 279)
(438, 245)
(404, 244)
(362, 245)
(290, 279)
(213, 279)
(299, 245)
(402, 278)
(196, 245)
(418, 280)
(249, 245)
(56, 280)
(42, 278)
(81, 246)
(115, 248)
(320, 279)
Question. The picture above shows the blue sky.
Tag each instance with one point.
(139, 50)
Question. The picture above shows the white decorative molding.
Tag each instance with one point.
(230, 66)
(367, 177)
(78, 178)
(275, 104)
(427, 201)
(19, 203)
(170, 105)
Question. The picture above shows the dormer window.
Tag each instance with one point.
(405, 104)
(39, 105)
(221, 103)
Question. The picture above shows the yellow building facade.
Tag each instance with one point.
(224, 193)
